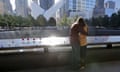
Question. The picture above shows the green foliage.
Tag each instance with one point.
(108, 22)
(32, 21)
(65, 21)
(10, 21)
(113, 20)
(51, 22)
(41, 21)
(105, 21)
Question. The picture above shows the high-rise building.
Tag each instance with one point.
(5, 7)
(99, 9)
(99, 4)
(82, 8)
(22, 7)
(1, 7)
(8, 7)
(109, 8)
(110, 4)
(46, 4)
(36, 1)
(64, 9)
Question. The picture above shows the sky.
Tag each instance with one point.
(116, 1)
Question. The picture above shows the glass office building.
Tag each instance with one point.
(22, 7)
(46, 4)
(81, 8)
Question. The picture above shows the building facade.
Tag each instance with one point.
(22, 8)
(46, 4)
(82, 8)
(109, 8)
(99, 9)
(1, 7)
(63, 11)
(36, 1)
(5, 7)
(110, 4)
(8, 7)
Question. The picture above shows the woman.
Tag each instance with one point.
(83, 42)
(75, 43)
(78, 42)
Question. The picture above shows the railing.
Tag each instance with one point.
(55, 41)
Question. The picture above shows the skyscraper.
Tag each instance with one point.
(82, 8)
(99, 9)
(22, 7)
(64, 9)
(36, 1)
(109, 8)
(5, 7)
(46, 4)
(99, 4)
(110, 4)
(1, 7)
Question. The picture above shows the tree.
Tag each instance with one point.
(2, 23)
(51, 22)
(25, 22)
(19, 21)
(114, 20)
(94, 21)
(41, 20)
(32, 21)
(88, 21)
(118, 19)
(100, 21)
(64, 20)
(106, 21)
